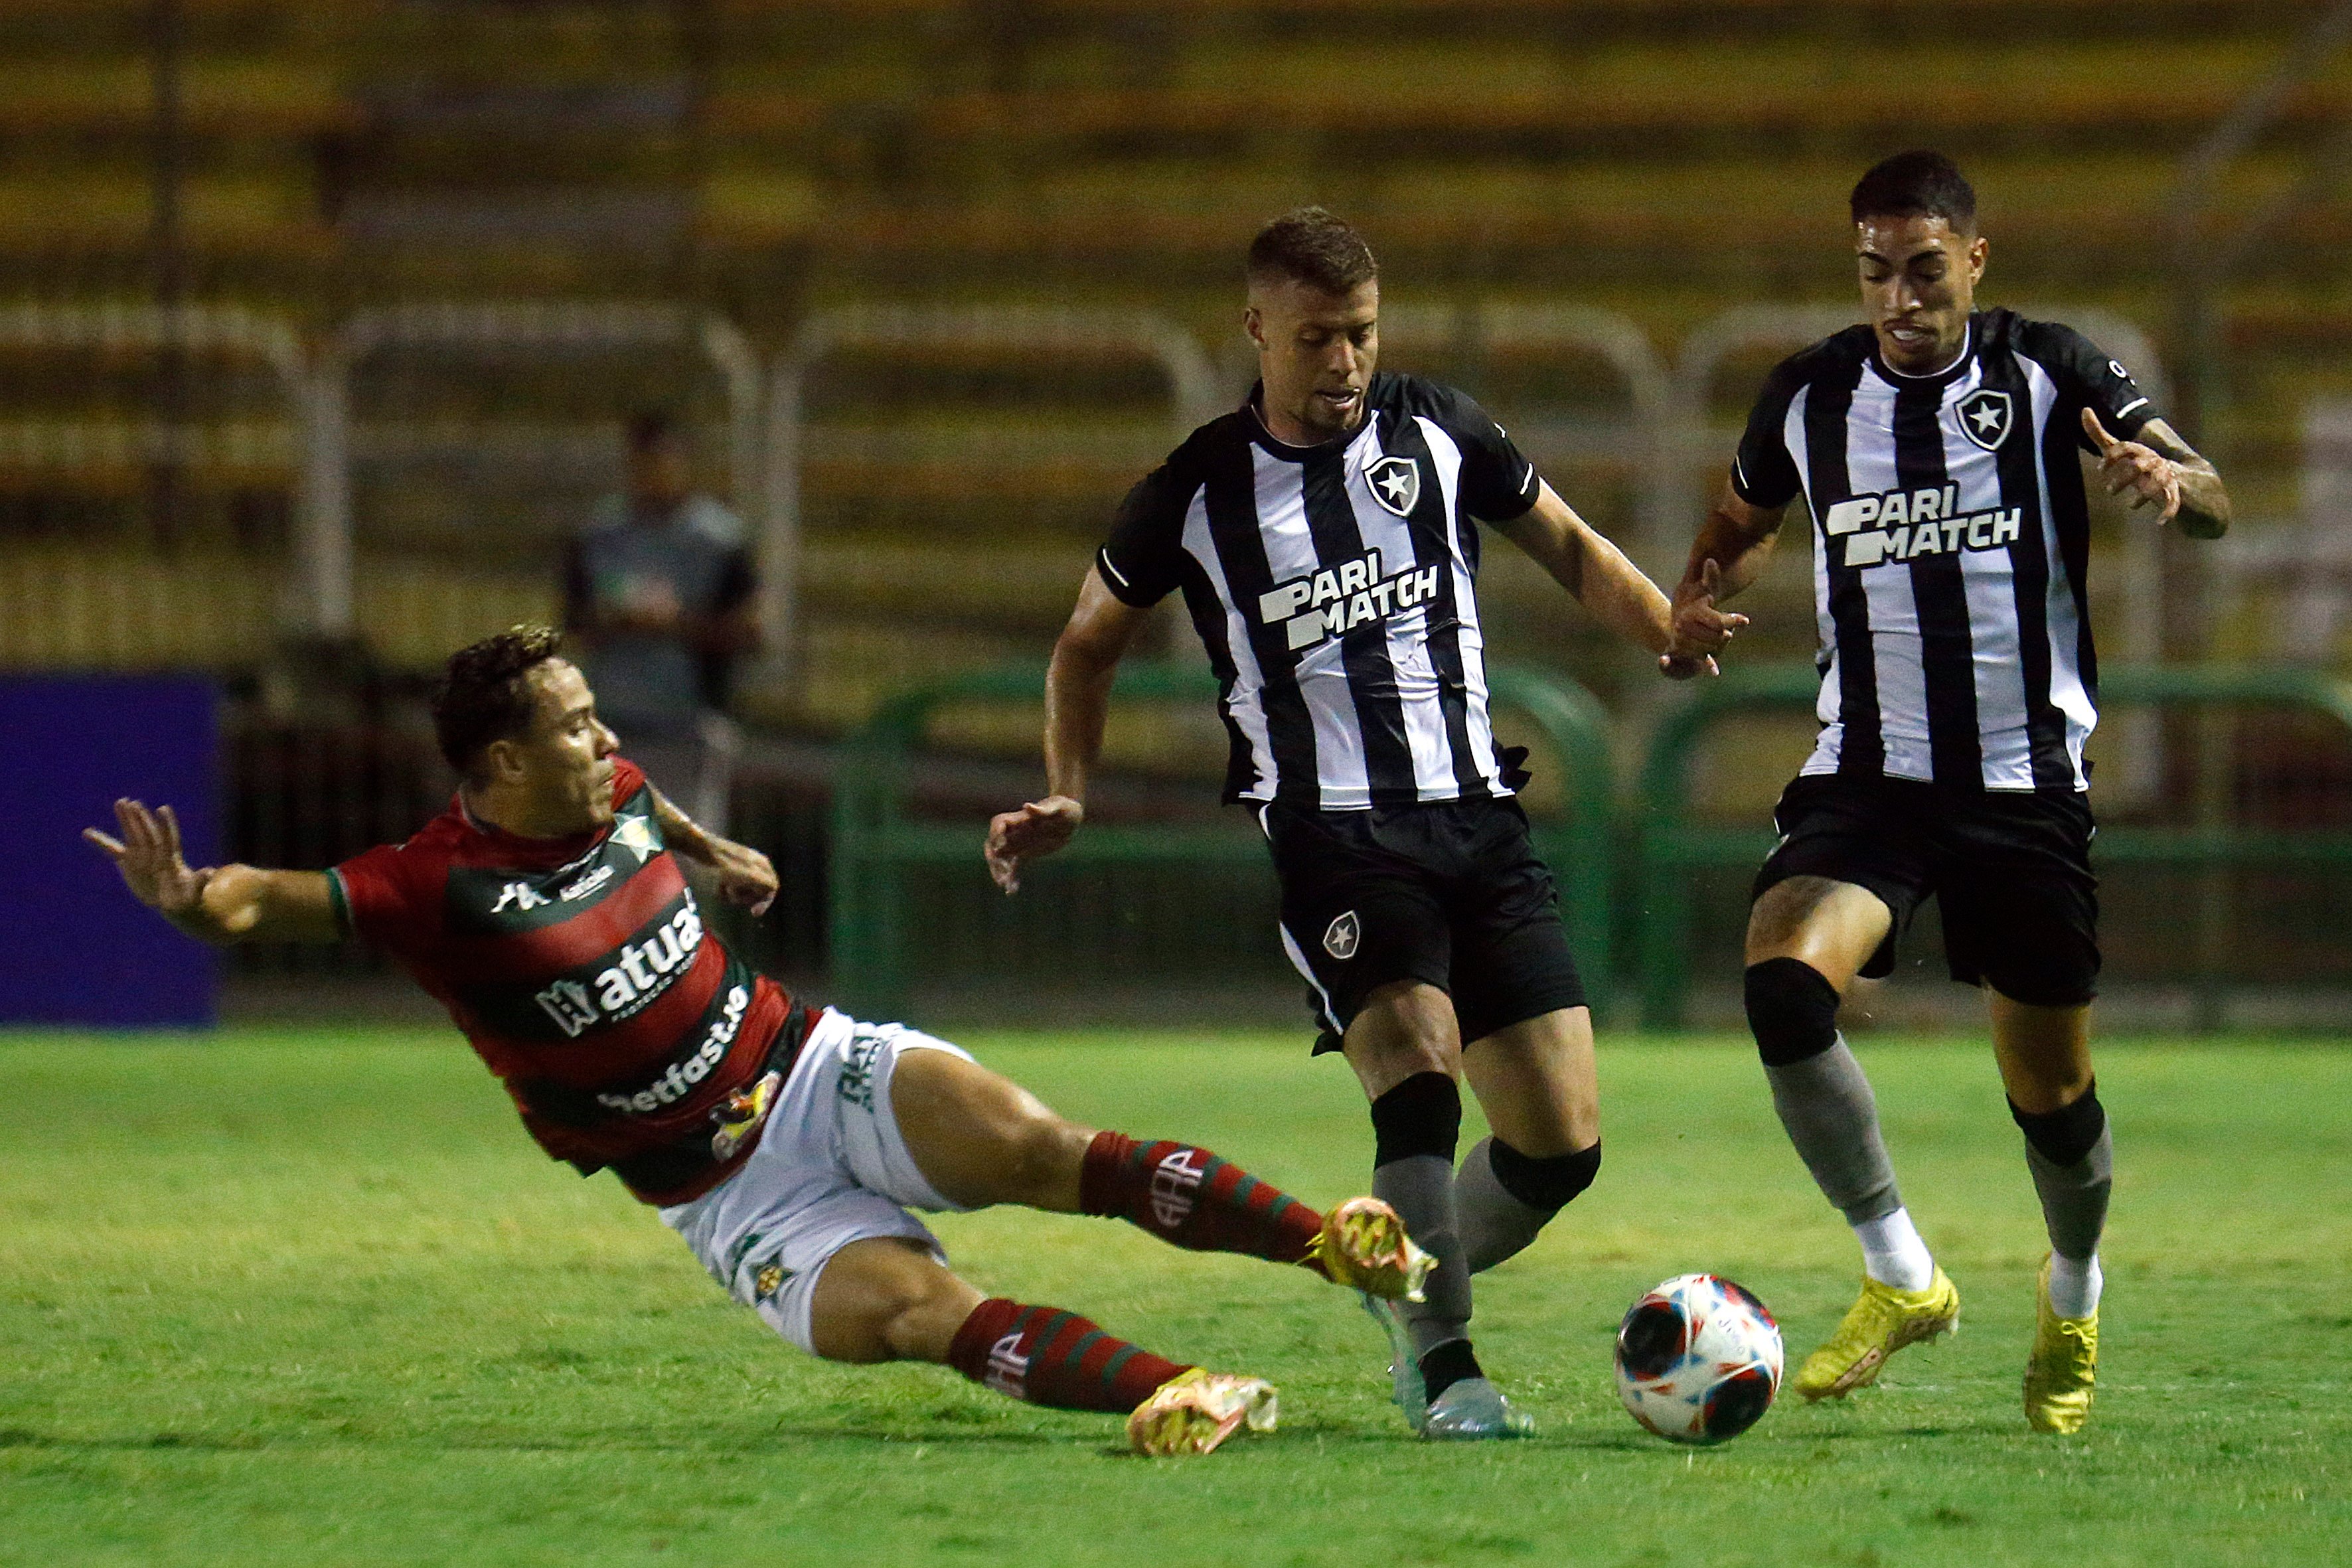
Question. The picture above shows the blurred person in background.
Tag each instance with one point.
(658, 589)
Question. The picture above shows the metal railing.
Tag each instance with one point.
(876, 844)
(1671, 848)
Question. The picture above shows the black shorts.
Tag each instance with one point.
(1450, 893)
(2011, 871)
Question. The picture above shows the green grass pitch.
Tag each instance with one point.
(311, 1297)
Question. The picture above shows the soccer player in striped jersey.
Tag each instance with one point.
(1935, 448)
(1324, 536)
(785, 1142)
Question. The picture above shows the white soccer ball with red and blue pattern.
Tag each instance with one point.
(1698, 1360)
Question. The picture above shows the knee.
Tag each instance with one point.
(1043, 1155)
(1792, 1010)
(2065, 1135)
(1546, 1184)
(1422, 1115)
(918, 1318)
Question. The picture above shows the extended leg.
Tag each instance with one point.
(1807, 937)
(890, 1299)
(981, 1139)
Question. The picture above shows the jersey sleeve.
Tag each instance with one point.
(1142, 560)
(373, 896)
(1763, 473)
(1499, 483)
(2089, 377)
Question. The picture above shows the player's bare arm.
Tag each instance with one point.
(1077, 705)
(2161, 469)
(746, 877)
(218, 904)
(1597, 573)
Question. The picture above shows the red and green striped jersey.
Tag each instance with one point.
(581, 972)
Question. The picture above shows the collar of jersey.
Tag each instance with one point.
(553, 851)
(1283, 449)
(1932, 378)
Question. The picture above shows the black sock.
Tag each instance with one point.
(1442, 1366)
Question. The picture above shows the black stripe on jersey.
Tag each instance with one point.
(1209, 619)
(1864, 748)
(1230, 498)
(1371, 678)
(1430, 526)
(1946, 653)
(2028, 565)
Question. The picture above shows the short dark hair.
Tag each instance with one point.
(1310, 245)
(1917, 184)
(485, 694)
(652, 428)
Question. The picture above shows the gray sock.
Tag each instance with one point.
(1494, 1224)
(1420, 1187)
(1825, 1103)
(2074, 1198)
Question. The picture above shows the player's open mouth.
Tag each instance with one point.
(1342, 399)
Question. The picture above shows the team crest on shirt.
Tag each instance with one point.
(1395, 483)
(1340, 940)
(1985, 416)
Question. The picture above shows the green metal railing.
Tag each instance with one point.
(1671, 846)
(876, 844)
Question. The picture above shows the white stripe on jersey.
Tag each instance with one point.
(1447, 458)
(1322, 671)
(1990, 587)
(1408, 634)
(2067, 693)
(1246, 703)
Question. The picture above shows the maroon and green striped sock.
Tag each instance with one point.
(1193, 1199)
(1048, 1356)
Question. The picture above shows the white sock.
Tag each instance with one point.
(2075, 1285)
(1893, 1254)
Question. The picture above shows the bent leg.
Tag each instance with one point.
(1537, 1082)
(1807, 938)
(892, 1299)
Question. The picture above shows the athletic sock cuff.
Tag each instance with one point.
(2064, 1135)
(1422, 1115)
(1547, 1184)
(1792, 1010)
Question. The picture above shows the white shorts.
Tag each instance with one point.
(830, 1169)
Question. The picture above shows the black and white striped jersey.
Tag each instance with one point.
(1949, 540)
(1332, 587)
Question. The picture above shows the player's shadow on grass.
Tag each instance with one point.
(23, 1437)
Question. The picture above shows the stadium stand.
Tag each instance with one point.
(765, 160)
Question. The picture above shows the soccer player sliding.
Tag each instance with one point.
(1324, 536)
(1935, 448)
(786, 1143)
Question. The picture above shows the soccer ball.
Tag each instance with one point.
(1698, 1360)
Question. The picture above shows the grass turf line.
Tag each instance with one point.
(311, 1297)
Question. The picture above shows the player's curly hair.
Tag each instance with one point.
(1312, 246)
(1917, 183)
(484, 694)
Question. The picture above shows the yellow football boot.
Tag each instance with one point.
(1881, 1322)
(1363, 1245)
(1195, 1411)
(2065, 1359)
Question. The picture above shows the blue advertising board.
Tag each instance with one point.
(84, 952)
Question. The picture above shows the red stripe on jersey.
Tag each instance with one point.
(550, 950)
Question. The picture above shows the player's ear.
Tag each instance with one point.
(503, 763)
(1254, 324)
(1978, 251)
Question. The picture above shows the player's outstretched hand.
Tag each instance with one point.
(1699, 629)
(1038, 828)
(746, 877)
(148, 856)
(2129, 465)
